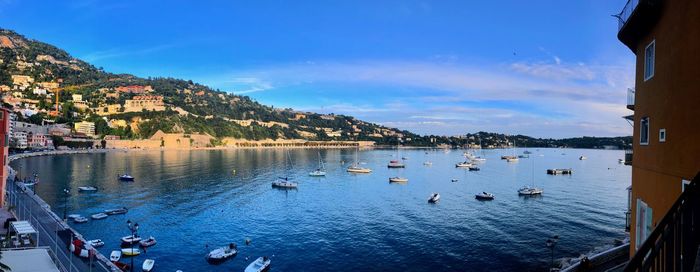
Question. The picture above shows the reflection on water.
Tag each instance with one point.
(193, 201)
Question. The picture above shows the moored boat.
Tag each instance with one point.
(73, 216)
(99, 216)
(150, 241)
(116, 211)
(80, 219)
(317, 173)
(398, 179)
(221, 254)
(129, 252)
(582, 158)
(428, 163)
(115, 256)
(395, 164)
(284, 183)
(434, 198)
(126, 177)
(260, 264)
(358, 169)
(147, 265)
(474, 168)
(131, 239)
(87, 189)
(464, 164)
(96, 243)
(485, 196)
(528, 191)
(512, 159)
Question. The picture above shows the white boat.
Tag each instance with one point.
(321, 170)
(115, 256)
(148, 265)
(73, 216)
(395, 164)
(512, 159)
(284, 183)
(99, 216)
(478, 159)
(428, 163)
(434, 198)
(116, 211)
(150, 241)
(355, 167)
(485, 196)
(126, 177)
(131, 239)
(455, 180)
(582, 158)
(398, 179)
(259, 265)
(87, 189)
(130, 252)
(80, 219)
(530, 191)
(464, 164)
(222, 253)
(96, 243)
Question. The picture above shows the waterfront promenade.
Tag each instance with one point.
(53, 232)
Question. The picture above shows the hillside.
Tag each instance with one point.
(32, 73)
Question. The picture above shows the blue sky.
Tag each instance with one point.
(540, 68)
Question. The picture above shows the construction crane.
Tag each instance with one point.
(58, 90)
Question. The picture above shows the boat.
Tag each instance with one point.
(356, 168)
(455, 180)
(259, 265)
(478, 159)
(151, 241)
(464, 164)
(130, 252)
(485, 196)
(434, 198)
(321, 170)
(99, 216)
(474, 168)
(525, 156)
(96, 243)
(115, 256)
(222, 253)
(126, 177)
(80, 219)
(122, 266)
(620, 161)
(398, 179)
(512, 159)
(395, 164)
(73, 216)
(147, 265)
(560, 171)
(582, 158)
(87, 189)
(427, 163)
(284, 183)
(527, 191)
(527, 152)
(116, 211)
(131, 239)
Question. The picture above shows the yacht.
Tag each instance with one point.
(485, 196)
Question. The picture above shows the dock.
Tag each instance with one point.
(560, 171)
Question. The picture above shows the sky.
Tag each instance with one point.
(549, 69)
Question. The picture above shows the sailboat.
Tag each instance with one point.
(512, 158)
(321, 170)
(355, 167)
(530, 191)
(284, 182)
(396, 163)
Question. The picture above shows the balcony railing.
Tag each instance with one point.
(673, 245)
(626, 13)
(630, 98)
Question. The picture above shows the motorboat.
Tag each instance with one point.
(530, 191)
(474, 168)
(260, 264)
(131, 239)
(582, 158)
(284, 183)
(484, 196)
(87, 189)
(130, 252)
(116, 211)
(512, 159)
(96, 243)
(80, 219)
(317, 173)
(148, 265)
(428, 163)
(126, 177)
(115, 256)
(357, 169)
(455, 180)
(398, 179)
(222, 253)
(464, 164)
(150, 241)
(434, 198)
(99, 216)
(395, 164)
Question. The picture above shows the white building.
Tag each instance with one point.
(20, 139)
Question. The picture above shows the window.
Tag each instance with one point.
(649, 52)
(662, 135)
(643, 224)
(644, 131)
(684, 183)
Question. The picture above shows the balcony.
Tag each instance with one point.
(628, 156)
(635, 20)
(630, 98)
(673, 245)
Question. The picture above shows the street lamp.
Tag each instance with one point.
(550, 243)
(66, 193)
(133, 227)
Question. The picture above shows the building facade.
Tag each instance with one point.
(4, 150)
(144, 102)
(87, 128)
(665, 37)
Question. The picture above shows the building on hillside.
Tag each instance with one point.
(19, 139)
(134, 89)
(36, 140)
(39, 91)
(60, 130)
(77, 97)
(86, 128)
(117, 123)
(144, 102)
(22, 82)
(48, 85)
(4, 150)
(665, 37)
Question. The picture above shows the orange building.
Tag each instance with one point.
(665, 37)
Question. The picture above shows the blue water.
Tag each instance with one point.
(190, 200)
